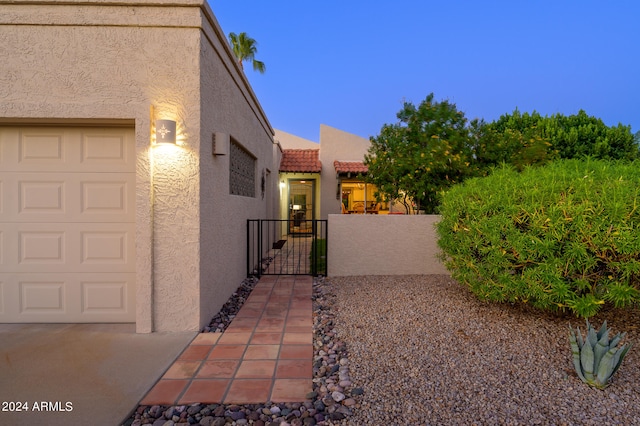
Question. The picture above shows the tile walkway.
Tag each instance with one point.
(292, 258)
(264, 355)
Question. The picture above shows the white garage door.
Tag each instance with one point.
(67, 224)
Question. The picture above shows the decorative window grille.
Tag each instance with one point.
(242, 179)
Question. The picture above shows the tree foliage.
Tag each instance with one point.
(427, 151)
(522, 139)
(514, 140)
(245, 49)
(434, 146)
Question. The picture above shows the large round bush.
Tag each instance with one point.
(562, 236)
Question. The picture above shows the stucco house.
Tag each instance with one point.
(326, 175)
(100, 221)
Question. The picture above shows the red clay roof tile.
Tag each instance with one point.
(300, 161)
(350, 167)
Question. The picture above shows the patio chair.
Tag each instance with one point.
(374, 210)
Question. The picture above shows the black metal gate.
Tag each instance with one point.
(286, 247)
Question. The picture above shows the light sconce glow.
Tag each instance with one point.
(165, 131)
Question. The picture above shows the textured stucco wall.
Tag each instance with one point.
(289, 141)
(336, 145)
(383, 245)
(229, 106)
(103, 62)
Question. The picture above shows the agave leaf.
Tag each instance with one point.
(592, 336)
(575, 351)
(605, 369)
(572, 334)
(586, 360)
(616, 360)
(603, 330)
(622, 353)
(617, 338)
(601, 348)
(580, 341)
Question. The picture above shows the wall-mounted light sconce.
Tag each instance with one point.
(165, 131)
(220, 143)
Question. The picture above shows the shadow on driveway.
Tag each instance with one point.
(66, 374)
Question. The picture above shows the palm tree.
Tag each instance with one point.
(244, 47)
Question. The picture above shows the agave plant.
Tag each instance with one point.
(596, 358)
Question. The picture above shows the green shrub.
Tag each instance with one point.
(319, 253)
(562, 236)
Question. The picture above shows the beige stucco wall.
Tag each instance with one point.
(382, 245)
(102, 62)
(342, 146)
(229, 106)
(289, 141)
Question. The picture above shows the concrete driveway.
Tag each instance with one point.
(62, 374)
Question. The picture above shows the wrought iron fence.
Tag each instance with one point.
(286, 247)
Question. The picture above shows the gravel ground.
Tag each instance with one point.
(427, 352)
(422, 350)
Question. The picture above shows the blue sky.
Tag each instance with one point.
(351, 64)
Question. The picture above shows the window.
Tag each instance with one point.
(242, 169)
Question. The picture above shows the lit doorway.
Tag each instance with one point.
(301, 205)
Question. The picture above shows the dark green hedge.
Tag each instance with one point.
(562, 236)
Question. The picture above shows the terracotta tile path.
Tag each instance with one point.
(264, 355)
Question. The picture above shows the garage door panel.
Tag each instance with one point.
(2, 197)
(67, 224)
(29, 295)
(2, 297)
(108, 247)
(31, 195)
(110, 151)
(43, 198)
(107, 295)
(42, 149)
(70, 197)
(54, 247)
(9, 297)
(45, 248)
(67, 298)
(3, 250)
(45, 296)
(54, 149)
(107, 197)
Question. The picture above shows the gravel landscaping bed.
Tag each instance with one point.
(427, 352)
(423, 350)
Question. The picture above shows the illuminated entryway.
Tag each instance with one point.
(301, 205)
